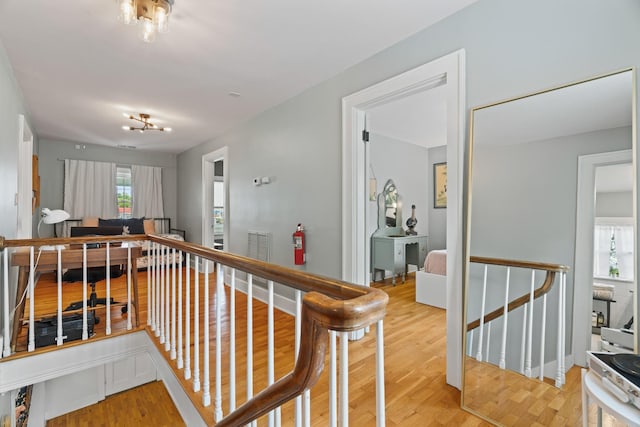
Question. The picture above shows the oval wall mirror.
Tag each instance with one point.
(534, 205)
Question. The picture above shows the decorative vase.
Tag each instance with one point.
(412, 221)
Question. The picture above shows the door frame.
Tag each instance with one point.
(448, 70)
(24, 194)
(585, 223)
(208, 174)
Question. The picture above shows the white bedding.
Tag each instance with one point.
(431, 284)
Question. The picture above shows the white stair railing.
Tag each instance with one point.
(178, 307)
(493, 310)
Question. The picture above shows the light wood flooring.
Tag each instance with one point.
(416, 391)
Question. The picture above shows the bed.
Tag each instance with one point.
(431, 284)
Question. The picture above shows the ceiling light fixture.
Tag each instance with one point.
(146, 124)
(151, 15)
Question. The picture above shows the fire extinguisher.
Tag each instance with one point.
(299, 257)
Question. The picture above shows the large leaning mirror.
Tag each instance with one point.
(550, 237)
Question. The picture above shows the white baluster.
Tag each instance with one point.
(85, 335)
(149, 286)
(158, 288)
(161, 305)
(481, 329)
(562, 325)
(343, 392)
(218, 308)
(523, 338)
(486, 358)
(151, 267)
(108, 290)
(543, 335)
(470, 344)
(59, 337)
(31, 346)
(129, 274)
(232, 336)
(296, 351)
(333, 380)
(173, 354)
(560, 344)
(505, 324)
(380, 398)
(187, 321)
(250, 338)
(270, 344)
(180, 353)
(196, 328)
(527, 368)
(6, 351)
(206, 385)
(167, 330)
(306, 404)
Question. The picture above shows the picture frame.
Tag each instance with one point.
(440, 185)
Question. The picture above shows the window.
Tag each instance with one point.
(123, 191)
(613, 248)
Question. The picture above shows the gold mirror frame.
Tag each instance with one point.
(467, 247)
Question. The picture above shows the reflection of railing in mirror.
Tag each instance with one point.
(498, 318)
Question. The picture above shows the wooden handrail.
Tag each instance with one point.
(546, 286)
(328, 304)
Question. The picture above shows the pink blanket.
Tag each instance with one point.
(436, 262)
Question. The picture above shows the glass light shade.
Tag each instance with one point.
(148, 30)
(161, 17)
(127, 11)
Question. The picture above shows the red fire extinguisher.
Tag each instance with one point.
(299, 257)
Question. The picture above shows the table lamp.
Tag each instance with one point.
(49, 216)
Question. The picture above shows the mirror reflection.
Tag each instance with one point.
(390, 198)
(532, 286)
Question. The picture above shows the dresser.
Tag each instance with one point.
(394, 253)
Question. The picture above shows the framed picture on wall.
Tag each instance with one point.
(440, 185)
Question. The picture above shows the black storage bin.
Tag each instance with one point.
(46, 329)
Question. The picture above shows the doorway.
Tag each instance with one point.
(447, 71)
(586, 214)
(215, 199)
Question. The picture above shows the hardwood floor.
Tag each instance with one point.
(148, 405)
(415, 360)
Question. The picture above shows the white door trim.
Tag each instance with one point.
(24, 198)
(207, 191)
(585, 223)
(448, 70)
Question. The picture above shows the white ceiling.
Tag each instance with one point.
(603, 103)
(419, 119)
(79, 69)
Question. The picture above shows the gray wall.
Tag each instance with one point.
(11, 104)
(52, 171)
(512, 47)
(524, 208)
(437, 217)
(614, 204)
(405, 163)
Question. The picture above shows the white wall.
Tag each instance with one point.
(406, 165)
(614, 204)
(52, 171)
(512, 47)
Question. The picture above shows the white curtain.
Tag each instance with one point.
(90, 189)
(146, 183)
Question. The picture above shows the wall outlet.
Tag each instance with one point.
(265, 180)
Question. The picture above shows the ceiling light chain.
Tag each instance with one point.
(146, 124)
(152, 15)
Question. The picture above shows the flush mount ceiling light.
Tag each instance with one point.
(151, 15)
(145, 123)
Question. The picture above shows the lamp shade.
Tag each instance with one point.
(53, 216)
